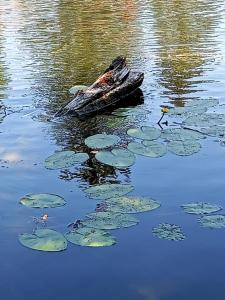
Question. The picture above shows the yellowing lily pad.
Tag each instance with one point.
(65, 159)
(100, 141)
(148, 148)
(213, 222)
(106, 191)
(184, 148)
(119, 158)
(170, 232)
(90, 237)
(109, 220)
(42, 200)
(145, 133)
(200, 208)
(131, 204)
(44, 240)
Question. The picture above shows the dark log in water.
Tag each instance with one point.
(116, 84)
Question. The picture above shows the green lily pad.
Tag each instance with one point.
(109, 220)
(211, 102)
(187, 110)
(65, 159)
(170, 232)
(42, 201)
(90, 237)
(119, 158)
(106, 191)
(181, 134)
(205, 120)
(216, 130)
(100, 141)
(44, 240)
(129, 111)
(74, 89)
(148, 148)
(184, 148)
(214, 221)
(200, 208)
(131, 204)
(144, 133)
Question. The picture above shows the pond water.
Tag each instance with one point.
(46, 47)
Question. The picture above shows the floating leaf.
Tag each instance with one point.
(181, 134)
(42, 200)
(148, 148)
(187, 110)
(119, 158)
(90, 237)
(109, 220)
(131, 204)
(211, 102)
(218, 131)
(214, 221)
(144, 133)
(200, 208)
(170, 232)
(76, 88)
(105, 191)
(100, 141)
(184, 148)
(129, 111)
(205, 120)
(65, 159)
(44, 240)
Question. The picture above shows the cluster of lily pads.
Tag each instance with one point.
(116, 208)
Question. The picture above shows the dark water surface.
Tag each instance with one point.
(45, 48)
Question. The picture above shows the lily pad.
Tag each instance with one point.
(109, 220)
(187, 110)
(131, 204)
(148, 148)
(90, 237)
(144, 133)
(170, 232)
(76, 88)
(200, 208)
(211, 102)
(44, 240)
(218, 131)
(100, 141)
(214, 221)
(181, 134)
(205, 120)
(42, 200)
(106, 191)
(119, 158)
(184, 148)
(129, 111)
(65, 159)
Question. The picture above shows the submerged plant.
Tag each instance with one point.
(199, 208)
(170, 232)
(213, 221)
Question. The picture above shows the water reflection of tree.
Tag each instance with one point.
(75, 42)
(186, 34)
